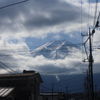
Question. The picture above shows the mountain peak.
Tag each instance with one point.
(58, 49)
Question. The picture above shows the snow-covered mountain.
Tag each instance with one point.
(60, 50)
(55, 49)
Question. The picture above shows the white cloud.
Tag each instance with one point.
(57, 37)
(21, 60)
(38, 19)
(17, 56)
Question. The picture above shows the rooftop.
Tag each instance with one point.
(25, 74)
(17, 75)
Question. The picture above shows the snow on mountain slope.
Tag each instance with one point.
(55, 49)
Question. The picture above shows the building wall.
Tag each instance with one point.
(40, 97)
(25, 88)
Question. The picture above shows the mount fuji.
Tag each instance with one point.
(55, 49)
(61, 50)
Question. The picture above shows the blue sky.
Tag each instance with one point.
(28, 25)
(34, 43)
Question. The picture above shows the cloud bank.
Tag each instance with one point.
(38, 18)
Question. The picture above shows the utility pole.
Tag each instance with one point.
(66, 89)
(90, 86)
(86, 88)
(96, 92)
(87, 83)
(90, 59)
(52, 91)
(67, 95)
(91, 67)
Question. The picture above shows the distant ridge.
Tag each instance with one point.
(58, 49)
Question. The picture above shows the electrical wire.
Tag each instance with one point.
(69, 79)
(76, 88)
(47, 50)
(88, 22)
(13, 51)
(13, 4)
(5, 69)
(60, 71)
(81, 17)
(7, 66)
(9, 47)
(95, 16)
(82, 48)
(45, 87)
(71, 86)
(81, 95)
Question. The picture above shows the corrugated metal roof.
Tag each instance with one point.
(5, 91)
(17, 75)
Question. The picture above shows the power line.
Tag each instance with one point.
(5, 69)
(43, 45)
(81, 95)
(47, 50)
(13, 4)
(60, 71)
(7, 66)
(95, 13)
(88, 15)
(90, 82)
(71, 86)
(69, 79)
(3, 8)
(75, 45)
(26, 52)
(81, 16)
(45, 87)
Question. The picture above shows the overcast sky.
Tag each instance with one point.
(28, 25)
